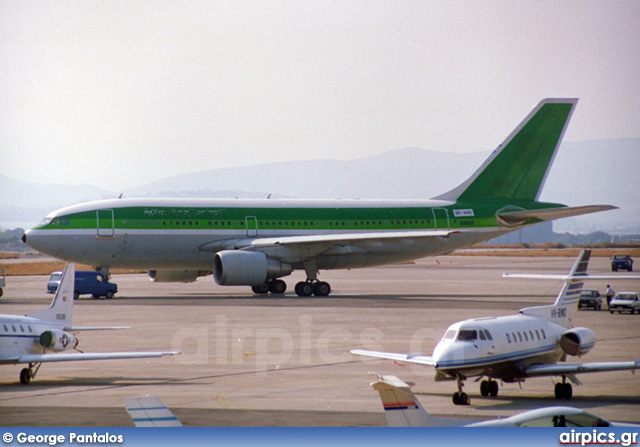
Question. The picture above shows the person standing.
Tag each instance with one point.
(610, 293)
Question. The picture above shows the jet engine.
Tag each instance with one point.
(246, 268)
(578, 341)
(57, 340)
(176, 275)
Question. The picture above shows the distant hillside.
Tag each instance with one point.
(586, 172)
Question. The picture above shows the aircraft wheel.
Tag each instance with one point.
(564, 391)
(277, 287)
(493, 388)
(321, 288)
(484, 388)
(261, 289)
(25, 376)
(304, 288)
(460, 399)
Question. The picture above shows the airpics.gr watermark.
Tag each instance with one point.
(225, 342)
(598, 438)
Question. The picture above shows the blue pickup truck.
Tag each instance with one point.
(621, 262)
(87, 283)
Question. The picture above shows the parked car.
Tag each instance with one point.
(625, 302)
(590, 298)
(87, 283)
(621, 262)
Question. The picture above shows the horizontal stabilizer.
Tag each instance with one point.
(525, 217)
(150, 412)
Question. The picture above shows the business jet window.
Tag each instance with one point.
(468, 335)
(449, 335)
(482, 336)
(489, 337)
(538, 334)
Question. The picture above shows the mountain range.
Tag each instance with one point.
(585, 172)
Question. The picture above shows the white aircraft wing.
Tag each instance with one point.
(77, 356)
(150, 412)
(579, 368)
(408, 358)
(329, 240)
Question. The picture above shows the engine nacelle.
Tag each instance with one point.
(57, 340)
(578, 341)
(176, 275)
(246, 268)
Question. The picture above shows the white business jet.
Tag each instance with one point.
(39, 336)
(514, 348)
(402, 409)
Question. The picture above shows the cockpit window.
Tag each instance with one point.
(449, 335)
(46, 221)
(467, 335)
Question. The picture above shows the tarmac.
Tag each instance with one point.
(284, 361)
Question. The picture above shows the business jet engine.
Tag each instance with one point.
(578, 341)
(57, 340)
(176, 275)
(246, 268)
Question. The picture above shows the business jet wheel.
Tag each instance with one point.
(484, 388)
(460, 398)
(25, 376)
(304, 288)
(489, 388)
(563, 391)
(321, 288)
(493, 388)
(277, 287)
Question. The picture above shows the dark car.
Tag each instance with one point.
(621, 262)
(590, 298)
(87, 283)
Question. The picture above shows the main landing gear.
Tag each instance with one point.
(29, 373)
(563, 390)
(317, 288)
(303, 288)
(489, 388)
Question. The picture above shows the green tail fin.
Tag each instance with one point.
(517, 169)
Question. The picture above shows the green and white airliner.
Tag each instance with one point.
(256, 242)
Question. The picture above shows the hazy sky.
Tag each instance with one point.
(120, 93)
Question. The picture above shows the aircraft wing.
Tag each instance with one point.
(579, 368)
(515, 218)
(150, 412)
(326, 241)
(77, 356)
(408, 358)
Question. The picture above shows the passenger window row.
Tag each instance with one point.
(13, 328)
(522, 337)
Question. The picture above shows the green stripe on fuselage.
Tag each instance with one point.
(289, 218)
